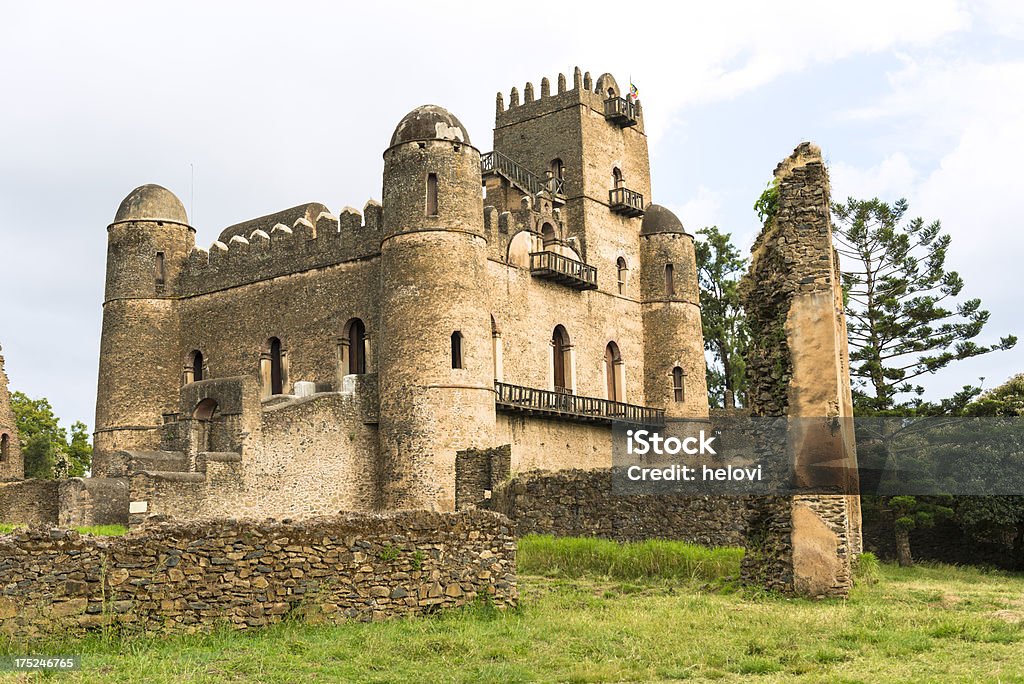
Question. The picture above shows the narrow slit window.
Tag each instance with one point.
(5, 447)
(431, 194)
(678, 388)
(160, 274)
(457, 361)
(620, 266)
(670, 283)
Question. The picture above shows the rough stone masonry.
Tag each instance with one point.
(188, 577)
(798, 367)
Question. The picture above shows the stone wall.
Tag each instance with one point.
(186, 577)
(29, 502)
(93, 501)
(581, 503)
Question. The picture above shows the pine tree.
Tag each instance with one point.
(902, 316)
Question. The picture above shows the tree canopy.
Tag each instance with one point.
(46, 447)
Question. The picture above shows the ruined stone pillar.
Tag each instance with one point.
(12, 466)
(798, 367)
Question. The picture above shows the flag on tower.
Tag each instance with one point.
(633, 92)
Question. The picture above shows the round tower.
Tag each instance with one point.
(674, 368)
(139, 376)
(434, 349)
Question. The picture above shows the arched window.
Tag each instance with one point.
(205, 409)
(5, 446)
(431, 194)
(678, 386)
(547, 232)
(670, 283)
(276, 370)
(620, 265)
(457, 361)
(616, 177)
(613, 370)
(194, 367)
(353, 348)
(558, 169)
(561, 360)
(273, 368)
(611, 92)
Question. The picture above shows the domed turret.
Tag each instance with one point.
(151, 203)
(429, 122)
(148, 244)
(658, 219)
(674, 368)
(435, 371)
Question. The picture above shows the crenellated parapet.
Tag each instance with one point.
(312, 238)
(585, 90)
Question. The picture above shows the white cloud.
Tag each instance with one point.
(888, 180)
(700, 211)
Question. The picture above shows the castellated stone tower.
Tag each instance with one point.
(12, 467)
(435, 368)
(591, 138)
(148, 244)
(674, 369)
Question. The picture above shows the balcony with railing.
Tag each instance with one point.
(561, 269)
(626, 202)
(620, 111)
(526, 180)
(565, 405)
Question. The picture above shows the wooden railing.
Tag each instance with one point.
(620, 111)
(526, 179)
(625, 201)
(562, 269)
(573, 407)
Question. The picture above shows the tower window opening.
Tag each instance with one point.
(5, 446)
(354, 349)
(617, 181)
(160, 273)
(457, 360)
(558, 169)
(670, 284)
(194, 368)
(431, 194)
(620, 265)
(678, 388)
(276, 370)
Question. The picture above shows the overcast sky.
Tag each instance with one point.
(273, 104)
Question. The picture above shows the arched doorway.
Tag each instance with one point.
(353, 348)
(561, 350)
(202, 427)
(273, 368)
(613, 373)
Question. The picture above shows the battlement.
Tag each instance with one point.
(585, 91)
(269, 247)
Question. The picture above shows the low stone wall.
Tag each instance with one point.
(29, 502)
(86, 501)
(581, 503)
(187, 577)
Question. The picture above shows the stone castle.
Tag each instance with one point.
(468, 342)
(310, 362)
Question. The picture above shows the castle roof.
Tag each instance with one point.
(151, 203)
(429, 122)
(658, 219)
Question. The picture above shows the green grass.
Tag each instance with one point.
(97, 530)
(588, 557)
(615, 623)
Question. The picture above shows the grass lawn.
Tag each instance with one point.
(589, 614)
(98, 530)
